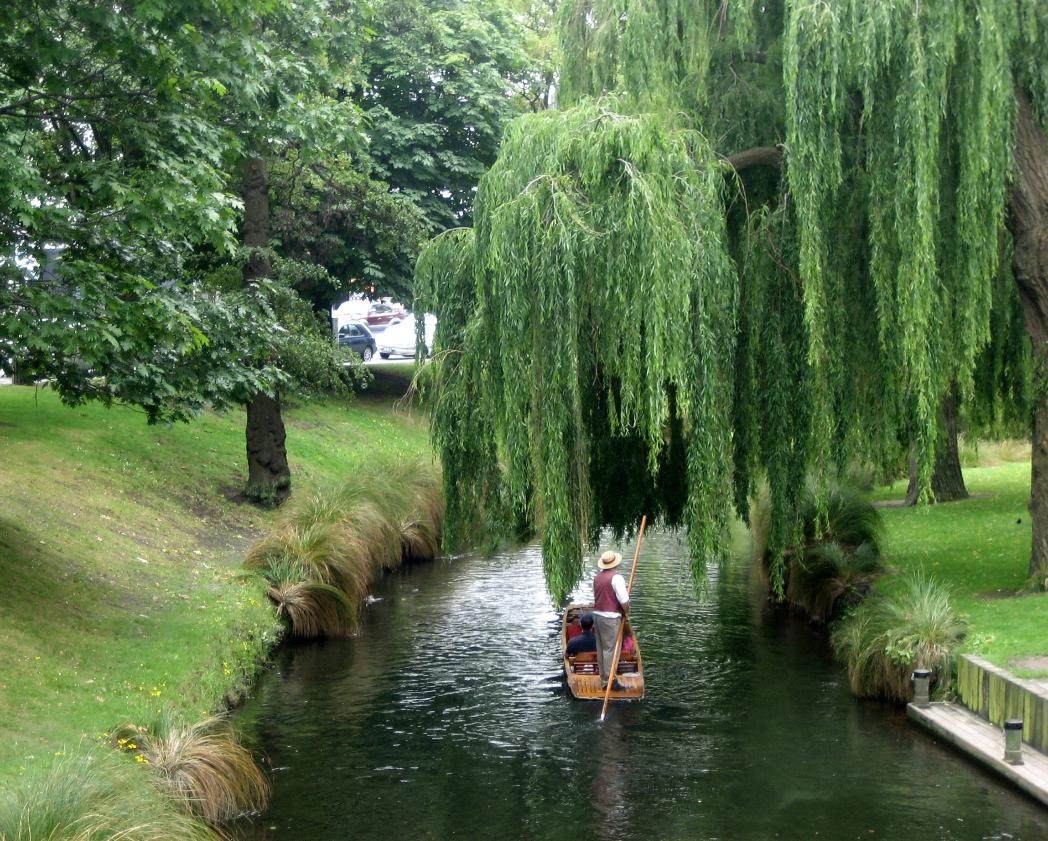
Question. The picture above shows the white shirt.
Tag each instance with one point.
(618, 584)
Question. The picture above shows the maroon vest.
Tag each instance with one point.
(604, 597)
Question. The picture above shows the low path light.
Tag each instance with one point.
(1013, 741)
(921, 680)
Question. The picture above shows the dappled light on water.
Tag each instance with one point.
(447, 718)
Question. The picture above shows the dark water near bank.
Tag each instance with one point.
(446, 718)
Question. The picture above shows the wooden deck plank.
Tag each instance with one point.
(985, 743)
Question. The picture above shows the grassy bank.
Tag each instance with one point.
(120, 551)
(980, 547)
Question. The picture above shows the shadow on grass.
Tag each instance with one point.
(390, 382)
(44, 586)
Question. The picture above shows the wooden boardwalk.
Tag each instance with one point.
(984, 742)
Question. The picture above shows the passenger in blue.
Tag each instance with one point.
(587, 640)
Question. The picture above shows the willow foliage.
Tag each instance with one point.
(598, 276)
(933, 84)
(627, 330)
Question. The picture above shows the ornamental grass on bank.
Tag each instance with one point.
(885, 638)
(97, 796)
(203, 767)
(321, 560)
(311, 608)
(831, 567)
(831, 578)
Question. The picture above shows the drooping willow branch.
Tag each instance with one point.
(618, 313)
(594, 304)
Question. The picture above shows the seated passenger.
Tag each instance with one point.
(574, 627)
(628, 645)
(585, 641)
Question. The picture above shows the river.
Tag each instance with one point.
(446, 717)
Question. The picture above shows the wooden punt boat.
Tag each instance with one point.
(581, 669)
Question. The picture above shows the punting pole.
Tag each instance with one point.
(622, 624)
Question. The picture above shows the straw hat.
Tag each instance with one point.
(609, 560)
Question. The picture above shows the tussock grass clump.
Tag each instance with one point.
(888, 636)
(319, 550)
(837, 555)
(422, 522)
(313, 609)
(203, 767)
(321, 560)
(94, 797)
(830, 578)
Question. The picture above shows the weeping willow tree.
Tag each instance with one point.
(593, 304)
(756, 239)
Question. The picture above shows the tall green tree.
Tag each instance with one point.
(295, 101)
(332, 213)
(92, 186)
(438, 81)
(123, 136)
(758, 239)
(442, 78)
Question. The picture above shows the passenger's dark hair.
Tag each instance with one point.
(586, 621)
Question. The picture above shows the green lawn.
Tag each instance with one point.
(120, 548)
(981, 547)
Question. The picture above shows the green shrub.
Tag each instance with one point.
(837, 556)
(94, 797)
(885, 638)
(830, 578)
(862, 475)
(203, 766)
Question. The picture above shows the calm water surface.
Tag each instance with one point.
(447, 718)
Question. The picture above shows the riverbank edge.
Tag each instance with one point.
(996, 695)
(249, 635)
(980, 741)
(987, 697)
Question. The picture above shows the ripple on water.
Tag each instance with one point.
(447, 718)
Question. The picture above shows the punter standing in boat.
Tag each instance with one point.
(611, 603)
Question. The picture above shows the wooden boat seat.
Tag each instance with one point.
(585, 657)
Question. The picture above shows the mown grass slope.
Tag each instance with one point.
(120, 554)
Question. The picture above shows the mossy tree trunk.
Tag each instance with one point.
(268, 477)
(947, 479)
(1028, 223)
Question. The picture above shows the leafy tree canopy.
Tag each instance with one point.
(121, 132)
(636, 287)
(331, 213)
(442, 79)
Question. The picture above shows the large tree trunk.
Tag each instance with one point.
(1028, 223)
(268, 474)
(947, 480)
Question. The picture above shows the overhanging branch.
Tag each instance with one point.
(749, 158)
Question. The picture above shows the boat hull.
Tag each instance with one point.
(581, 671)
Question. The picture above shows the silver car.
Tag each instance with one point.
(399, 339)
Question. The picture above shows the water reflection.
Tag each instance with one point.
(446, 718)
